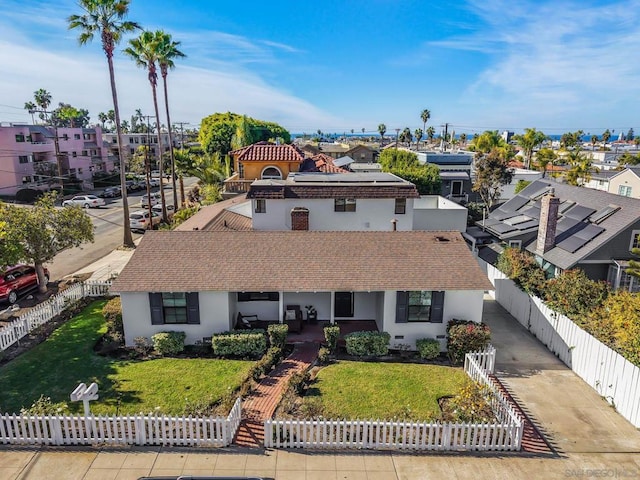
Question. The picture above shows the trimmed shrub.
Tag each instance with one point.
(471, 404)
(112, 313)
(428, 348)
(331, 335)
(278, 334)
(464, 336)
(298, 381)
(367, 343)
(168, 343)
(324, 355)
(523, 269)
(240, 343)
(266, 363)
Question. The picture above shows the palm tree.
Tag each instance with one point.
(167, 52)
(125, 126)
(425, 116)
(594, 140)
(431, 132)
(43, 100)
(463, 138)
(144, 50)
(382, 129)
(103, 118)
(544, 157)
(418, 134)
(107, 19)
(31, 108)
(528, 141)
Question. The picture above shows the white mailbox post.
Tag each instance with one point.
(86, 394)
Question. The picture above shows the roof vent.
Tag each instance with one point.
(442, 239)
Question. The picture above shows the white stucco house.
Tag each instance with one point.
(411, 283)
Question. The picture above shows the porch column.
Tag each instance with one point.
(616, 286)
(332, 317)
(281, 306)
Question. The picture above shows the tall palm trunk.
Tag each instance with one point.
(160, 161)
(173, 160)
(182, 199)
(128, 238)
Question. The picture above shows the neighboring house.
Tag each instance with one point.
(570, 227)
(509, 190)
(365, 167)
(410, 283)
(349, 201)
(34, 155)
(455, 173)
(262, 161)
(361, 154)
(626, 182)
(600, 180)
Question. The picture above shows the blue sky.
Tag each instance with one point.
(340, 65)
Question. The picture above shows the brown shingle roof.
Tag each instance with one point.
(333, 191)
(228, 220)
(290, 261)
(266, 152)
(206, 216)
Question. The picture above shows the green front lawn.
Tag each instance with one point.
(369, 390)
(54, 368)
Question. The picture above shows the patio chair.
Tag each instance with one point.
(243, 322)
(293, 318)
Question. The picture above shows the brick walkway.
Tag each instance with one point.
(261, 404)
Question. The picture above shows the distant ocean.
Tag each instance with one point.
(336, 136)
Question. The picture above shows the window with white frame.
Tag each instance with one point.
(23, 158)
(271, 173)
(515, 243)
(635, 240)
(624, 190)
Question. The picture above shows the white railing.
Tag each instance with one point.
(121, 430)
(49, 309)
(504, 434)
(614, 377)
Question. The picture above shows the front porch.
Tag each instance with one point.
(314, 332)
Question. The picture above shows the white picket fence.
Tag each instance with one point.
(615, 378)
(506, 434)
(47, 310)
(121, 430)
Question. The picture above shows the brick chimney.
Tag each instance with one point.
(300, 218)
(548, 222)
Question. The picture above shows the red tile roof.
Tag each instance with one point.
(267, 152)
(289, 261)
(324, 163)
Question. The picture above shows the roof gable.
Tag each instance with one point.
(268, 152)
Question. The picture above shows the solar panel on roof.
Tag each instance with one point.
(604, 213)
(517, 219)
(566, 205)
(345, 177)
(503, 215)
(572, 244)
(503, 228)
(565, 224)
(531, 211)
(579, 212)
(589, 232)
(515, 203)
(537, 192)
(530, 224)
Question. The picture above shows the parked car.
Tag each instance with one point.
(135, 185)
(84, 201)
(158, 209)
(139, 220)
(111, 192)
(17, 280)
(154, 182)
(154, 199)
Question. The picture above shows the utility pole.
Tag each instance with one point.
(397, 132)
(443, 142)
(182, 124)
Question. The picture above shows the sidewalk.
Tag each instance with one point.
(110, 265)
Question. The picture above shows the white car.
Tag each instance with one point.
(154, 182)
(158, 209)
(84, 201)
(155, 199)
(139, 220)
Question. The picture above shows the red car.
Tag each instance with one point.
(17, 280)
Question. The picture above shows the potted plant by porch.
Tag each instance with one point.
(312, 314)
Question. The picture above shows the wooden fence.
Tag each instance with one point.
(505, 434)
(121, 430)
(614, 378)
(49, 309)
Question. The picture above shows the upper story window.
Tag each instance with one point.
(401, 205)
(20, 138)
(23, 159)
(345, 205)
(86, 136)
(76, 136)
(261, 205)
(271, 173)
(624, 190)
(635, 240)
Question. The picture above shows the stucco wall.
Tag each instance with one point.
(435, 213)
(628, 179)
(214, 317)
(371, 214)
(458, 304)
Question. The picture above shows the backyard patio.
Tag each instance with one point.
(314, 332)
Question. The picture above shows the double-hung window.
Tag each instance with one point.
(419, 306)
(170, 308)
(345, 205)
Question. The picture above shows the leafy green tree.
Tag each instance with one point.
(243, 136)
(544, 157)
(571, 139)
(145, 52)
(426, 177)
(634, 265)
(492, 173)
(425, 115)
(491, 140)
(573, 294)
(581, 168)
(630, 134)
(106, 18)
(529, 141)
(69, 116)
(10, 251)
(217, 130)
(167, 52)
(382, 129)
(43, 231)
(405, 135)
(521, 185)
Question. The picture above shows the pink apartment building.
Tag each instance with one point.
(28, 156)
